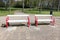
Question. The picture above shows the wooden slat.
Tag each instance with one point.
(43, 15)
(44, 19)
(17, 15)
(17, 20)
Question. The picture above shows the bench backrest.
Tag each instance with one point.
(43, 16)
(17, 17)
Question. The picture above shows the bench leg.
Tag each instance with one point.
(6, 24)
(53, 22)
(36, 22)
(28, 22)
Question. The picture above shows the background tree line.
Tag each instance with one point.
(43, 4)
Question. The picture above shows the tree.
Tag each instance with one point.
(58, 4)
(23, 5)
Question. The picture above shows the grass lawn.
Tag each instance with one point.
(30, 11)
(55, 13)
(4, 12)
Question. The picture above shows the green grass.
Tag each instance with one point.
(55, 13)
(4, 13)
(30, 11)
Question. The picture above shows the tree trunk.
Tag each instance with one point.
(58, 5)
(22, 5)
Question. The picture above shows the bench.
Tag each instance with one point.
(51, 19)
(8, 20)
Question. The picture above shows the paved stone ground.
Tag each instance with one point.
(42, 32)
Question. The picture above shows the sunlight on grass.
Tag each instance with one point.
(4, 13)
(55, 13)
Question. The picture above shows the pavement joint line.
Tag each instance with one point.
(27, 34)
(52, 26)
(11, 28)
(34, 29)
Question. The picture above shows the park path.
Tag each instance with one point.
(42, 32)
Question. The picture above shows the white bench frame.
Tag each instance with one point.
(8, 16)
(51, 20)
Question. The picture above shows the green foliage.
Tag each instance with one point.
(33, 3)
(18, 4)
